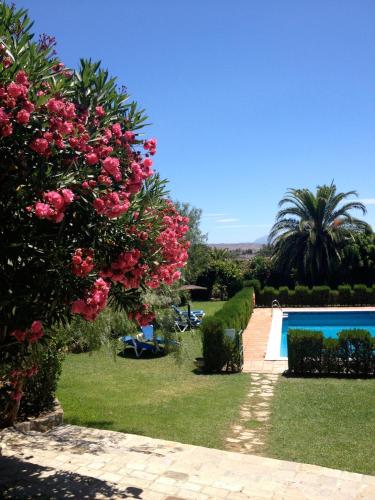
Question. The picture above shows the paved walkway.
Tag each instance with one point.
(81, 463)
(248, 435)
(255, 339)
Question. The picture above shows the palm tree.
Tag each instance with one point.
(311, 231)
(217, 254)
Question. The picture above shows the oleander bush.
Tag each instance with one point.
(218, 349)
(85, 220)
(352, 353)
(345, 295)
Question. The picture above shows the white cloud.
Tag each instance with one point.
(213, 215)
(226, 220)
(233, 226)
(368, 201)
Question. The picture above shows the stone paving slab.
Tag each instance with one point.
(81, 463)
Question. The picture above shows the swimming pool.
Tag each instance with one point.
(329, 322)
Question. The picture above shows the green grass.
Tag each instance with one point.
(328, 422)
(158, 397)
(209, 307)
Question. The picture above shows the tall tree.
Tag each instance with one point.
(198, 251)
(311, 230)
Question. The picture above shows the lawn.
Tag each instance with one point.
(209, 307)
(328, 422)
(159, 397)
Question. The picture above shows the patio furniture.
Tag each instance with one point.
(187, 319)
(144, 341)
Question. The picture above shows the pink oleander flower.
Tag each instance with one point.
(40, 146)
(99, 111)
(23, 117)
(112, 166)
(16, 90)
(91, 158)
(21, 78)
(150, 146)
(55, 106)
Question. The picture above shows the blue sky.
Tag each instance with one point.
(246, 98)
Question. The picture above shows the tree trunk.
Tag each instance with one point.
(13, 406)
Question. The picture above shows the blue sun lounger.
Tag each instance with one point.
(146, 341)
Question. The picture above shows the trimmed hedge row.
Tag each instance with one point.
(218, 349)
(352, 353)
(345, 295)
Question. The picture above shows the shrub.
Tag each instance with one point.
(356, 350)
(219, 350)
(254, 283)
(302, 295)
(361, 294)
(320, 295)
(334, 298)
(84, 219)
(345, 294)
(304, 351)
(269, 294)
(330, 356)
(351, 353)
(284, 296)
(39, 391)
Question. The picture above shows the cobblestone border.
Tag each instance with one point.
(43, 423)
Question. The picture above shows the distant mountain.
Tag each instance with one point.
(255, 246)
(262, 240)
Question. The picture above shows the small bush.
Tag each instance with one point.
(356, 350)
(304, 351)
(361, 295)
(352, 353)
(39, 390)
(345, 294)
(330, 358)
(302, 295)
(334, 298)
(320, 295)
(269, 294)
(284, 296)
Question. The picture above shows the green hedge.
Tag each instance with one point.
(219, 350)
(345, 295)
(352, 353)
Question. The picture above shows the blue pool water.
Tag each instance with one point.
(330, 323)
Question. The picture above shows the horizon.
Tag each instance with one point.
(245, 101)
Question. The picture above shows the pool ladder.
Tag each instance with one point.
(276, 303)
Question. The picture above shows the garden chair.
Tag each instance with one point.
(198, 313)
(183, 320)
(143, 342)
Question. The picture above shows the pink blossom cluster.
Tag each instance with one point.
(15, 378)
(173, 248)
(31, 335)
(54, 206)
(115, 165)
(94, 301)
(144, 316)
(112, 204)
(150, 146)
(82, 262)
(14, 104)
(127, 269)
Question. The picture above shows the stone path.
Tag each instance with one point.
(81, 463)
(255, 339)
(248, 434)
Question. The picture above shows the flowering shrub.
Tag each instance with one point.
(84, 218)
